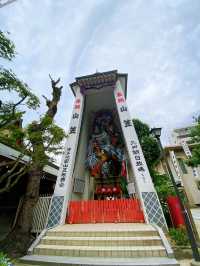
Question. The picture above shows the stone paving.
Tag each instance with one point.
(184, 262)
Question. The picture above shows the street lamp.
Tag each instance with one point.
(156, 132)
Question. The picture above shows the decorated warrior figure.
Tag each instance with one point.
(105, 157)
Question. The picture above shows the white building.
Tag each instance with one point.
(180, 134)
(177, 154)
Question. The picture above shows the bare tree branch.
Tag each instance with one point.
(16, 164)
(6, 163)
(10, 184)
(52, 104)
(9, 120)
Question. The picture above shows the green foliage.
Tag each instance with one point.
(148, 144)
(152, 153)
(7, 47)
(9, 82)
(4, 260)
(151, 150)
(141, 128)
(48, 139)
(179, 236)
(163, 186)
(40, 139)
(11, 134)
(10, 110)
(195, 135)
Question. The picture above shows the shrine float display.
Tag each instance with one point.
(105, 157)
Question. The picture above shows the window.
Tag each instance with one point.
(182, 165)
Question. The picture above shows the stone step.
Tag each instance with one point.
(104, 230)
(94, 261)
(102, 233)
(103, 251)
(102, 241)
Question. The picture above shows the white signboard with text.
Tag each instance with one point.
(145, 188)
(189, 154)
(176, 167)
(64, 181)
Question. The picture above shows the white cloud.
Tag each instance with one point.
(155, 42)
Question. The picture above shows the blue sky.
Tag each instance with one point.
(156, 42)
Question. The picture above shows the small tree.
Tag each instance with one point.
(10, 110)
(40, 139)
(11, 113)
(194, 161)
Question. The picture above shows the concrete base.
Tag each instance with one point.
(96, 261)
(195, 263)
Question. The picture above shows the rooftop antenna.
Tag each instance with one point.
(6, 2)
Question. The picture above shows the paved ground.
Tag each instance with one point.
(184, 262)
(196, 215)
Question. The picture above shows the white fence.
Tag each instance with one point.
(40, 214)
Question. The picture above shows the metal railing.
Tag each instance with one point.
(40, 214)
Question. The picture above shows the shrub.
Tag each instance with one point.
(4, 260)
(179, 236)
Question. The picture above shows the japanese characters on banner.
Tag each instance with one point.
(189, 154)
(133, 146)
(64, 179)
(176, 167)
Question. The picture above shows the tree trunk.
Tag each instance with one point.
(19, 239)
(24, 222)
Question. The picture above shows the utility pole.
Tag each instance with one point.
(6, 2)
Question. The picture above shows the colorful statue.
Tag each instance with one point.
(105, 157)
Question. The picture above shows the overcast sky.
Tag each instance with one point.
(155, 41)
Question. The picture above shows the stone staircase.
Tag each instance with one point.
(102, 244)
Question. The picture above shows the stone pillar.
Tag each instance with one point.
(64, 183)
(145, 188)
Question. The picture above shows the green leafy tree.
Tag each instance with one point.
(39, 141)
(152, 154)
(10, 111)
(148, 143)
(195, 138)
(7, 47)
(41, 138)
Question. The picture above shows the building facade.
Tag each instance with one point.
(177, 154)
(10, 201)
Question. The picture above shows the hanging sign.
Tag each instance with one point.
(189, 154)
(176, 167)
